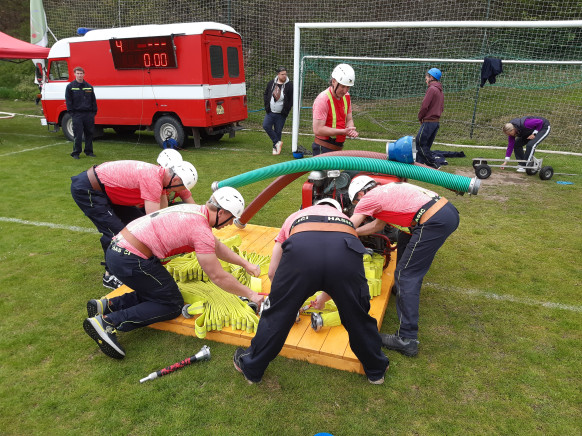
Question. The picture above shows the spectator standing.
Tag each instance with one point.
(278, 99)
(82, 105)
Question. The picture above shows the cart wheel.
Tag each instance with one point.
(530, 172)
(546, 173)
(482, 171)
(478, 162)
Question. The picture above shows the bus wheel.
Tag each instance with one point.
(168, 127)
(67, 126)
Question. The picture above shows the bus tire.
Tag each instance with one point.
(67, 126)
(169, 127)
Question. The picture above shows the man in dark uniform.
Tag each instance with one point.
(82, 105)
(316, 249)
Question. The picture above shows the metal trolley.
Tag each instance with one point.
(483, 167)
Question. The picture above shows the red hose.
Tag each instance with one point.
(282, 181)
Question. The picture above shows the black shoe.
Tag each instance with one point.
(90, 154)
(408, 347)
(304, 151)
(111, 282)
(75, 156)
(104, 334)
(238, 353)
(98, 307)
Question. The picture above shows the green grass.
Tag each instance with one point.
(500, 325)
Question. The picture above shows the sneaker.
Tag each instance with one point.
(238, 353)
(75, 156)
(521, 170)
(98, 307)
(90, 155)
(277, 148)
(377, 382)
(111, 282)
(304, 151)
(408, 347)
(104, 334)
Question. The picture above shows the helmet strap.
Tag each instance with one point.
(170, 186)
(216, 223)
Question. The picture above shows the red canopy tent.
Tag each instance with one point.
(12, 48)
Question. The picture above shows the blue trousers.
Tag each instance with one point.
(83, 124)
(313, 261)
(109, 218)
(273, 125)
(156, 295)
(424, 140)
(415, 262)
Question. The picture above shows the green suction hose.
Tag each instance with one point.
(460, 184)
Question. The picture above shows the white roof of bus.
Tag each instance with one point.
(61, 47)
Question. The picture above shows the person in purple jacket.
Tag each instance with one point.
(528, 131)
(429, 115)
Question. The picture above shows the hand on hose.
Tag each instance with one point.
(319, 302)
(254, 270)
(257, 299)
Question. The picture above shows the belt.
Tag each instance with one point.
(136, 242)
(329, 145)
(94, 180)
(425, 213)
(323, 227)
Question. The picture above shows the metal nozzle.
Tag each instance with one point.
(214, 186)
(474, 186)
(203, 354)
(185, 313)
(239, 224)
(316, 321)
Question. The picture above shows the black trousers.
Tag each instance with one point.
(530, 144)
(156, 295)
(424, 140)
(415, 261)
(83, 124)
(109, 218)
(314, 261)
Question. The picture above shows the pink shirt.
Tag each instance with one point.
(323, 210)
(321, 108)
(394, 203)
(170, 231)
(131, 182)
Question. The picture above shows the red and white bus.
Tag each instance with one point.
(175, 79)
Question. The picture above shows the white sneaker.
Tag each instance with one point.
(277, 147)
(521, 170)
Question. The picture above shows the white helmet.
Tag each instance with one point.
(344, 74)
(358, 184)
(329, 202)
(169, 157)
(186, 172)
(229, 199)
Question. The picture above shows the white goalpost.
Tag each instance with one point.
(545, 81)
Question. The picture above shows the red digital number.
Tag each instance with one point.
(119, 45)
(147, 60)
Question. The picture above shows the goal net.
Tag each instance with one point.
(542, 75)
(388, 93)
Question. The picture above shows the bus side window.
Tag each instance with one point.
(232, 59)
(58, 70)
(216, 62)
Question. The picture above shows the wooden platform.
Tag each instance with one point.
(328, 347)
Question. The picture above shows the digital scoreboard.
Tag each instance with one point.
(146, 52)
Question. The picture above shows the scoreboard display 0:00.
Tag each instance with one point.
(145, 52)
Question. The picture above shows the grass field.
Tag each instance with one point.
(500, 328)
